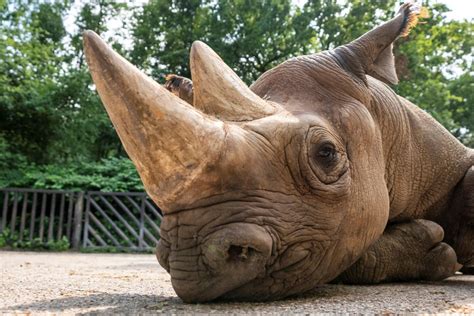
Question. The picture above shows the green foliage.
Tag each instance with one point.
(54, 132)
(251, 36)
(28, 72)
(434, 62)
(12, 241)
(115, 250)
(3, 241)
(11, 165)
(113, 174)
(435, 70)
(49, 111)
(59, 245)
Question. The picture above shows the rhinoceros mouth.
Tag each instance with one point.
(213, 292)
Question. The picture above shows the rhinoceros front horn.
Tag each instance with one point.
(169, 141)
(218, 90)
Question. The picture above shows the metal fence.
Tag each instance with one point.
(122, 220)
(91, 219)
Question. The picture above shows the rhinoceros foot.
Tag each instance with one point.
(406, 251)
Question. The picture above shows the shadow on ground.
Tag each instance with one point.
(99, 303)
(105, 303)
(336, 298)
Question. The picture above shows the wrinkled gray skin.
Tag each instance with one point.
(344, 179)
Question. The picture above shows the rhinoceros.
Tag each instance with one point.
(317, 172)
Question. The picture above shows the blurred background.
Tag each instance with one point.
(55, 134)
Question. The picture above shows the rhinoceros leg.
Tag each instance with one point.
(467, 270)
(406, 251)
(458, 223)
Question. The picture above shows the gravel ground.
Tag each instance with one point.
(134, 283)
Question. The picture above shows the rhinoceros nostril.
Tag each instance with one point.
(239, 253)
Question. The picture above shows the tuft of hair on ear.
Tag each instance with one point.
(180, 86)
(170, 77)
(412, 13)
(174, 83)
(171, 81)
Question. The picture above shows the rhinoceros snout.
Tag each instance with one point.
(237, 246)
(228, 258)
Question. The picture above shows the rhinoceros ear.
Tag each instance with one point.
(218, 90)
(372, 52)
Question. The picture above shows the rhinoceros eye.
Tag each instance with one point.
(323, 160)
(327, 154)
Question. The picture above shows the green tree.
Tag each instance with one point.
(434, 62)
(30, 45)
(53, 123)
(49, 110)
(251, 36)
(435, 70)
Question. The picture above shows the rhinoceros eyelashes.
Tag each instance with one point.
(326, 154)
(218, 91)
(324, 163)
(327, 162)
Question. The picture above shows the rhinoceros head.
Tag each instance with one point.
(266, 191)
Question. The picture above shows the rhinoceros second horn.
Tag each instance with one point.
(220, 92)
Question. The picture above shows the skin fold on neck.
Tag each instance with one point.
(420, 170)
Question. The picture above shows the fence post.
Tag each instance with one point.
(142, 222)
(77, 228)
(5, 211)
